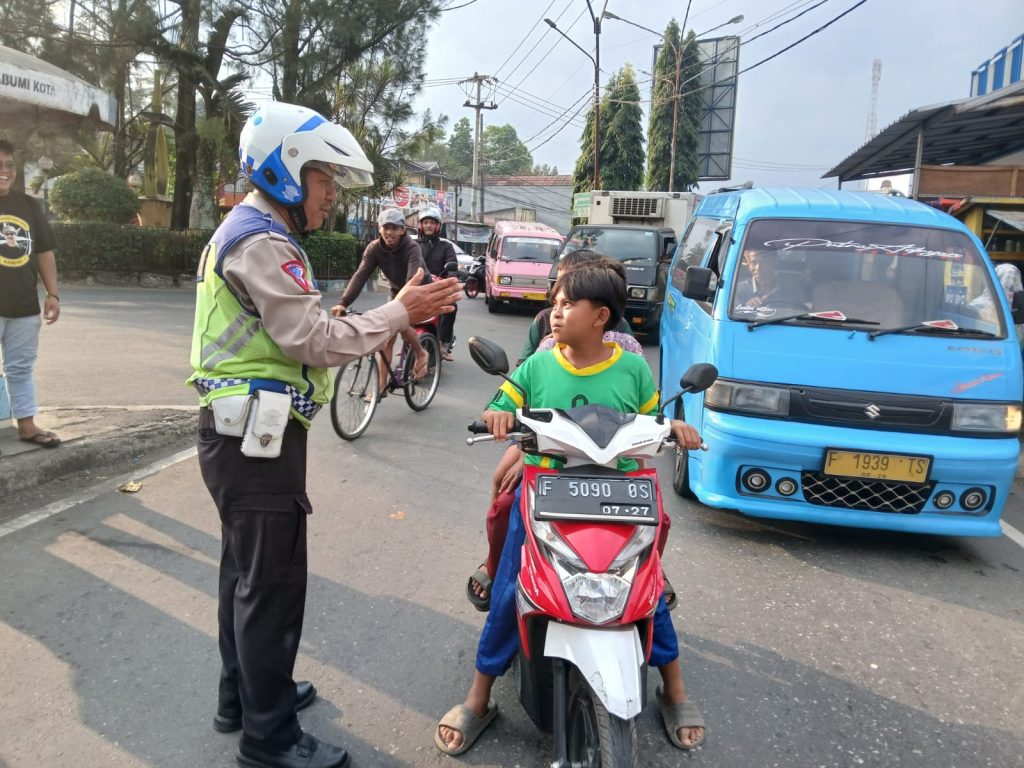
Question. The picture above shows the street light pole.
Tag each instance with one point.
(597, 90)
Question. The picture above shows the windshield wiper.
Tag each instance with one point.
(940, 326)
(831, 316)
(636, 258)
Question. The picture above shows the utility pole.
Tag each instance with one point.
(479, 106)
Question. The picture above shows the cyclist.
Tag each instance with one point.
(398, 256)
(437, 252)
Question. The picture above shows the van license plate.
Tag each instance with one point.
(535, 296)
(608, 499)
(877, 466)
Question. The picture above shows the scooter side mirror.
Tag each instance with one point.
(451, 267)
(490, 357)
(698, 377)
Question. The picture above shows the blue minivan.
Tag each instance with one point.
(869, 374)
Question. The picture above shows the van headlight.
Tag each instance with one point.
(987, 417)
(504, 279)
(747, 398)
(636, 292)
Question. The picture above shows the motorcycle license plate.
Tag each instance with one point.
(877, 466)
(608, 499)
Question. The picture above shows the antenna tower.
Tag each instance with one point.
(876, 75)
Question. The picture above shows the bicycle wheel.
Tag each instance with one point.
(356, 394)
(419, 393)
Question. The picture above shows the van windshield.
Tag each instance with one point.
(628, 245)
(529, 248)
(881, 276)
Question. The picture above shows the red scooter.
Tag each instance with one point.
(591, 575)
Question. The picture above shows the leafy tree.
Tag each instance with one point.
(93, 195)
(502, 153)
(460, 148)
(26, 24)
(622, 136)
(308, 46)
(544, 170)
(659, 126)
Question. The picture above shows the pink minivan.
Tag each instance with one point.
(519, 259)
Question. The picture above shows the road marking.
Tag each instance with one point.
(91, 493)
(1012, 533)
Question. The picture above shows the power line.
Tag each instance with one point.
(525, 37)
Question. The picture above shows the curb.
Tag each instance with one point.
(134, 434)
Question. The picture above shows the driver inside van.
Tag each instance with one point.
(760, 284)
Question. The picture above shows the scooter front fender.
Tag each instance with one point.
(610, 660)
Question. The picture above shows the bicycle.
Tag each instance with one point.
(357, 390)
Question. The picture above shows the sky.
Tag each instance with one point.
(798, 115)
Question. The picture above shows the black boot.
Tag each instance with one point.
(307, 752)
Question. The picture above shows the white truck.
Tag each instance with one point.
(641, 230)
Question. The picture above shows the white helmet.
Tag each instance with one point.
(430, 213)
(279, 139)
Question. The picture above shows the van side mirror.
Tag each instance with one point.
(697, 284)
(1017, 308)
(669, 250)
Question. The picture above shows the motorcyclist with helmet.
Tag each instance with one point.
(261, 339)
(437, 252)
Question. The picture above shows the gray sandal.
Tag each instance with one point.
(680, 715)
(462, 719)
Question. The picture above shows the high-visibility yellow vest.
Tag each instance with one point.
(232, 353)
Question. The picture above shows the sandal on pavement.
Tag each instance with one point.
(683, 714)
(462, 719)
(481, 602)
(42, 438)
(671, 599)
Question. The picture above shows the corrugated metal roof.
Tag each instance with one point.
(528, 181)
(1013, 218)
(964, 132)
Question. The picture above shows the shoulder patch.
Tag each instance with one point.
(296, 270)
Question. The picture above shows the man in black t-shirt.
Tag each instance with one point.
(26, 257)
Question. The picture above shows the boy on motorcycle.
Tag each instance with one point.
(582, 368)
(510, 468)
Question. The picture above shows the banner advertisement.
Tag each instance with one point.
(412, 198)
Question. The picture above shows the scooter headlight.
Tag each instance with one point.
(596, 598)
(640, 542)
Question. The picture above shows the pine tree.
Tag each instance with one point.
(691, 112)
(659, 121)
(622, 135)
(583, 173)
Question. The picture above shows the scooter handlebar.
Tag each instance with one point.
(478, 428)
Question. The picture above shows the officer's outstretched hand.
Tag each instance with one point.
(423, 302)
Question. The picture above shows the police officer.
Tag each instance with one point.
(261, 338)
(437, 253)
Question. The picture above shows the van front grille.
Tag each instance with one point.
(874, 495)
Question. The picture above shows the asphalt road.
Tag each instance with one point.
(805, 645)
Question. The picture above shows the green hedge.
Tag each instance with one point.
(93, 195)
(88, 246)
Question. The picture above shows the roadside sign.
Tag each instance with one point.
(581, 205)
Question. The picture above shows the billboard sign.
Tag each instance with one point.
(719, 63)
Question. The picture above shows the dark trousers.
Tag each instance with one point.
(263, 509)
(446, 328)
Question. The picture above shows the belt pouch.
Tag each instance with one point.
(229, 414)
(264, 429)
